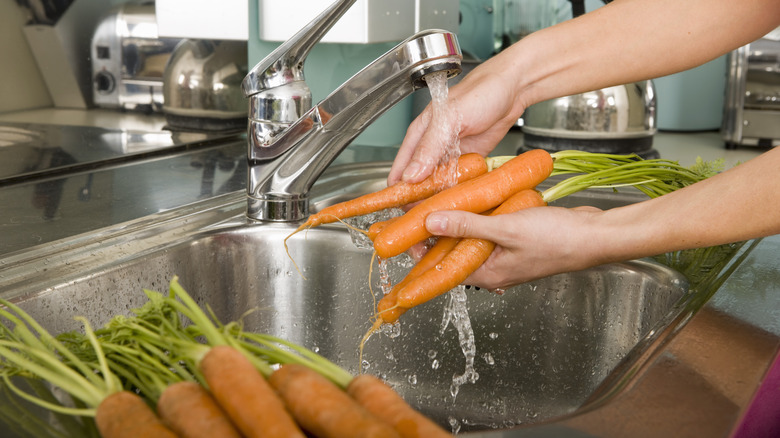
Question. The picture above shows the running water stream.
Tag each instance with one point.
(444, 124)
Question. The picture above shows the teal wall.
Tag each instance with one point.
(330, 65)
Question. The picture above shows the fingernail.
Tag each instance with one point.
(436, 223)
(411, 171)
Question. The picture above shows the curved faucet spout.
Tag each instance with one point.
(285, 159)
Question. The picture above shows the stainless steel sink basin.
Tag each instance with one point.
(542, 349)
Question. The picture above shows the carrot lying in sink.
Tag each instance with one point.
(324, 409)
(235, 378)
(191, 411)
(323, 398)
(373, 395)
(381, 400)
(30, 350)
(312, 388)
(148, 351)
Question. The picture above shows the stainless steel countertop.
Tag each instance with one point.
(30, 150)
(50, 204)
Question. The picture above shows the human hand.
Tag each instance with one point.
(482, 108)
(530, 244)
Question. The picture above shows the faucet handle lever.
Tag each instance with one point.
(285, 64)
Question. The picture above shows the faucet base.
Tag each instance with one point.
(277, 209)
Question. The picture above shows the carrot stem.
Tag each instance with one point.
(54, 407)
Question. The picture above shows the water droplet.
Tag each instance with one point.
(454, 425)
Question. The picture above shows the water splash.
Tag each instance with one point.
(359, 239)
(385, 284)
(456, 314)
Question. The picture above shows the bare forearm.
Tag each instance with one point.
(630, 40)
(739, 204)
(622, 42)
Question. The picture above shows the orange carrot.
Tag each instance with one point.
(189, 409)
(245, 395)
(124, 414)
(377, 227)
(387, 311)
(397, 195)
(476, 195)
(382, 401)
(461, 261)
(322, 408)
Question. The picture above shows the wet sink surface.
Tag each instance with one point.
(541, 349)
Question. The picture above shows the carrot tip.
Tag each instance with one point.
(374, 327)
(305, 225)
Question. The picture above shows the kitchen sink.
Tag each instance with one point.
(533, 353)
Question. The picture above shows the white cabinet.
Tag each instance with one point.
(367, 21)
(203, 19)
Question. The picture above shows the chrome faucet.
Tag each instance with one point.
(291, 143)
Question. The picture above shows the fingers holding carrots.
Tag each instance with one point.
(488, 190)
(465, 258)
(477, 195)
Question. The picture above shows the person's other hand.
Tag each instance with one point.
(530, 244)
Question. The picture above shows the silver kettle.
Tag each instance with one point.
(202, 86)
(619, 119)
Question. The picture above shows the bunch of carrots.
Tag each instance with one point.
(487, 186)
(153, 375)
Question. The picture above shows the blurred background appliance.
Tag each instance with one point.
(619, 119)
(128, 59)
(59, 35)
(44, 12)
(202, 86)
(752, 112)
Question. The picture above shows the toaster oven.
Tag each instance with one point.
(752, 108)
(128, 59)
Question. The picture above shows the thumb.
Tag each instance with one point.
(459, 224)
